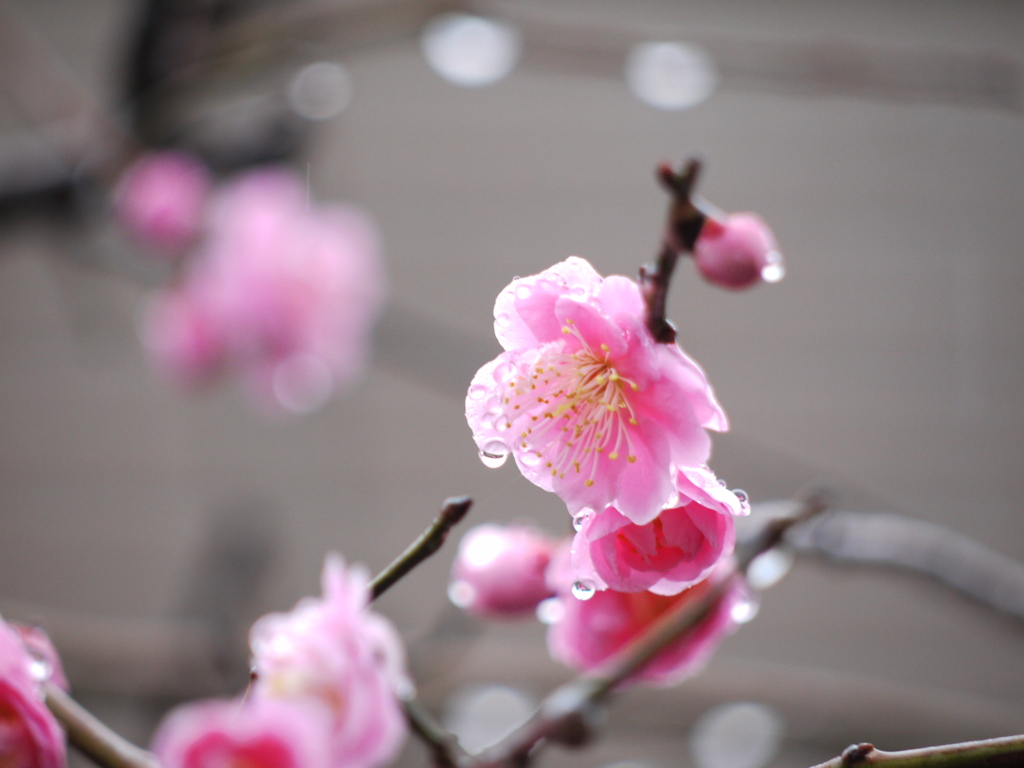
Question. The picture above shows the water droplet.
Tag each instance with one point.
(743, 498)
(461, 593)
(745, 609)
(529, 459)
(581, 519)
(578, 292)
(477, 392)
(494, 454)
(502, 321)
(550, 611)
(772, 273)
(501, 424)
(768, 569)
(405, 689)
(722, 483)
(40, 669)
(583, 589)
(523, 292)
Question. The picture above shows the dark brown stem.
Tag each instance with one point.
(427, 544)
(1006, 752)
(566, 714)
(686, 217)
(91, 737)
(443, 745)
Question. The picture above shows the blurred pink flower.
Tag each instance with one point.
(45, 661)
(499, 570)
(161, 199)
(738, 252)
(588, 404)
(259, 733)
(674, 551)
(282, 292)
(335, 650)
(591, 631)
(29, 735)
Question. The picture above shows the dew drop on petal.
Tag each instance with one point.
(580, 520)
(722, 483)
(743, 498)
(529, 459)
(502, 321)
(583, 589)
(773, 273)
(550, 611)
(746, 608)
(523, 292)
(494, 454)
(477, 392)
(461, 593)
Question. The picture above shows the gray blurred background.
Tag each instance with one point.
(883, 141)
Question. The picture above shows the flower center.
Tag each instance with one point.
(571, 409)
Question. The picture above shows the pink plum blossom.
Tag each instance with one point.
(29, 735)
(259, 733)
(674, 551)
(499, 570)
(586, 401)
(161, 199)
(45, 660)
(335, 650)
(280, 291)
(738, 251)
(593, 630)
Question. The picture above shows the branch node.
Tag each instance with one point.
(857, 753)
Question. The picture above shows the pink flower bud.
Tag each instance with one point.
(45, 661)
(259, 733)
(161, 199)
(738, 252)
(29, 735)
(499, 570)
(592, 630)
(674, 551)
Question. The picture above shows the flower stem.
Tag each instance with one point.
(443, 744)
(1005, 752)
(93, 738)
(686, 217)
(427, 544)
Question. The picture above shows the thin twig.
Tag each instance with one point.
(1006, 752)
(93, 738)
(443, 744)
(566, 714)
(686, 217)
(427, 544)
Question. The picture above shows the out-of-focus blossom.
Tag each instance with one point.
(593, 630)
(161, 199)
(29, 735)
(335, 650)
(674, 551)
(281, 291)
(259, 733)
(586, 401)
(738, 251)
(499, 570)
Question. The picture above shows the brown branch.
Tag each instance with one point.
(686, 217)
(427, 544)
(1006, 752)
(443, 744)
(567, 714)
(93, 738)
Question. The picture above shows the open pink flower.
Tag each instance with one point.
(282, 292)
(499, 570)
(588, 404)
(335, 650)
(592, 631)
(677, 549)
(738, 252)
(259, 733)
(29, 735)
(161, 199)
